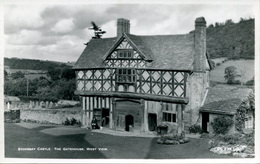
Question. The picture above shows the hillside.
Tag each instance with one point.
(231, 40)
(245, 69)
(17, 63)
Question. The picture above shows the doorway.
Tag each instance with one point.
(129, 121)
(105, 117)
(205, 121)
(152, 121)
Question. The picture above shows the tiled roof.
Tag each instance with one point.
(92, 55)
(11, 98)
(166, 51)
(225, 99)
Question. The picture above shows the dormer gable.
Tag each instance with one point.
(125, 44)
(124, 53)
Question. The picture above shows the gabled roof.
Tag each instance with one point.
(225, 99)
(92, 55)
(11, 98)
(136, 44)
(173, 52)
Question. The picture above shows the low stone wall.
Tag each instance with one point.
(51, 116)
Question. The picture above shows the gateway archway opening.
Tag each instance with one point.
(129, 121)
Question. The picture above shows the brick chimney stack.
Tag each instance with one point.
(200, 45)
(123, 26)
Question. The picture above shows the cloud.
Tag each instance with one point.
(18, 17)
(24, 37)
(63, 26)
(57, 32)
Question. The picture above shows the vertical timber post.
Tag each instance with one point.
(111, 113)
(87, 112)
(180, 118)
(142, 116)
(83, 111)
(114, 113)
(90, 109)
(145, 116)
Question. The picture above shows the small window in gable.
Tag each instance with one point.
(125, 54)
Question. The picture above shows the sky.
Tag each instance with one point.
(58, 32)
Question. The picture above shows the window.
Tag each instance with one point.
(169, 117)
(249, 122)
(125, 54)
(126, 76)
(169, 112)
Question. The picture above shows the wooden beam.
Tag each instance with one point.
(177, 100)
(84, 111)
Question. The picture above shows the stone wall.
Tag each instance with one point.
(31, 105)
(52, 116)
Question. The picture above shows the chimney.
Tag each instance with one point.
(123, 26)
(200, 45)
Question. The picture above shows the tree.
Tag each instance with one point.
(68, 74)
(5, 74)
(211, 26)
(16, 87)
(54, 73)
(229, 22)
(231, 74)
(17, 75)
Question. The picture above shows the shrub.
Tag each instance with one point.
(250, 82)
(221, 124)
(231, 139)
(66, 122)
(250, 139)
(195, 129)
(72, 121)
(234, 82)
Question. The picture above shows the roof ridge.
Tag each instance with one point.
(101, 38)
(161, 35)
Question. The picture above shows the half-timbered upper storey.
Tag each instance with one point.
(138, 65)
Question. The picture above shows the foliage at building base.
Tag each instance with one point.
(221, 124)
(242, 111)
(173, 139)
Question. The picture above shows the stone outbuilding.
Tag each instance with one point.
(228, 100)
(11, 101)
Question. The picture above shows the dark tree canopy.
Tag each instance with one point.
(17, 75)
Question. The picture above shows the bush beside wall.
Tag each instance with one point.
(222, 124)
(12, 116)
(49, 116)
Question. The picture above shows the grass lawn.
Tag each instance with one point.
(26, 135)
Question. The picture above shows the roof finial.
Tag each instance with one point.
(97, 30)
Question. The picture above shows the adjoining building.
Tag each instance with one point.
(228, 101)
(136, 83)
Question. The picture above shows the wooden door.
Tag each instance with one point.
(152, 121)
(205, 120)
